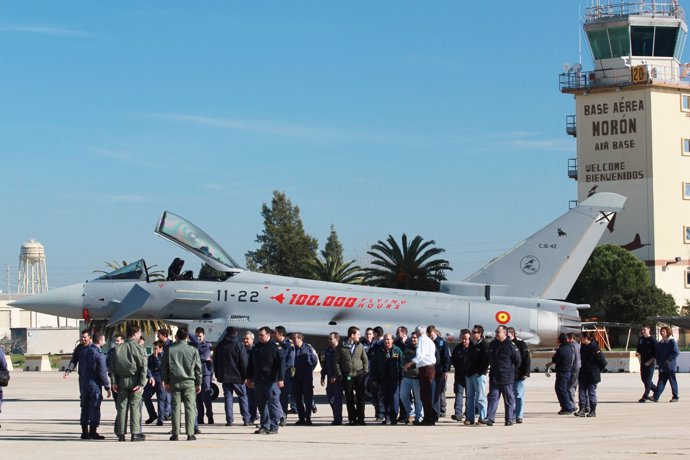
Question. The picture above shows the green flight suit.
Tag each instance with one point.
(129, 371)
(181, 369)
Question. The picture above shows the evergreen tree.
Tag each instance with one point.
(617, 286)
(284, 247)
(333, 249)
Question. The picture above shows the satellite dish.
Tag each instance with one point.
(577, 68)
(566, 67)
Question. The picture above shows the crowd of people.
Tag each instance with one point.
(403, 377)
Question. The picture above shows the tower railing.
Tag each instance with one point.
(640, 8)
(603, 78)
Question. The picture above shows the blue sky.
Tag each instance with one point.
(434, 118)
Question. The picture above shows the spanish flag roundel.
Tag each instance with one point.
(503, 317)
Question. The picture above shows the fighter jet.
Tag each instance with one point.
(523, 288)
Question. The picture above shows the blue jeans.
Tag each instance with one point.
(411, 386)
(661, 384)
(495, 392)
(476, 396)
(241, 391)
(519, 391)
(459, 391)
(588, 396)
(268, 402)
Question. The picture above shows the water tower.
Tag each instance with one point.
(33, 277)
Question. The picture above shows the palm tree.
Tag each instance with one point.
(333, 269)
(406, 266)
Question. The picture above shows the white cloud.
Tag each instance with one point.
(44, 30)
(277, 128)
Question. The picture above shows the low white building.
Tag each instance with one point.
(11, 317)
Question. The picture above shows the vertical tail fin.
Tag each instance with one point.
(547, 264)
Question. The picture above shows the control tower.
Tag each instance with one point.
(33, 277)
(632, 125)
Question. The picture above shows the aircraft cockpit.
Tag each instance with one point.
(188, 236)
(133, 271)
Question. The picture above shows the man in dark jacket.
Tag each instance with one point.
(459, 361)
(230, 366)
(303, 378)
(504, 359)
(521, 374)
(564, 360)
(592, 363)
(266, 373)
(475, 376)
(386, 375)
(334, 385)
(646, 353)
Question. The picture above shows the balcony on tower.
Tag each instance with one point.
(632, 43)
(571, 125)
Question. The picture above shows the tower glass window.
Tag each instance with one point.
(642, 39)
(686, 190)
(620, 41)
(599, 41)
(686, 147)
(665, 41)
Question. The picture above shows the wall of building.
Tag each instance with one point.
(629, 141)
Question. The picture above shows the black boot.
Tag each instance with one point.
(93, 434)
(85, 432)
(592, 411)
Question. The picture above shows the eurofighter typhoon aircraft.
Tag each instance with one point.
(523, 288)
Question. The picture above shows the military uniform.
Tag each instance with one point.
(303, 382)
(181, 369)
(93, 376)
(203, 399)
(129, 370)
(287, 351)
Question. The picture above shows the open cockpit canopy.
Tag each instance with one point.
(185, 234)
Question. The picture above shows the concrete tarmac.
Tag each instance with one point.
(40, 419)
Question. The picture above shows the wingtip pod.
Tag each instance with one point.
(604, 201)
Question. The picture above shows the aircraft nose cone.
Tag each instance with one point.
(65, 301)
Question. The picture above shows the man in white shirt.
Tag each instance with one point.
(425, 359)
